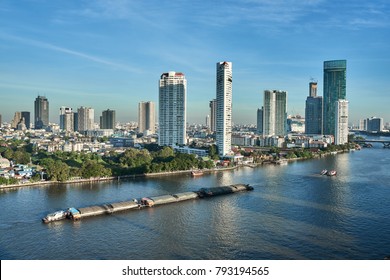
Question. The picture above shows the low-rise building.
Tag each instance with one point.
(192, 151)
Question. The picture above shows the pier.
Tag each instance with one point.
(110, 208)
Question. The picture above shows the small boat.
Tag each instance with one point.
(281, 162)
(196, 173)
(331, 173)
(324, 172)
(56, 216)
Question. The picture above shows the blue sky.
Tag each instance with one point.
(110, 53)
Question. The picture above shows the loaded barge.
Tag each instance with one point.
(79, 213)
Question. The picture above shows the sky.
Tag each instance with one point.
(109, 54)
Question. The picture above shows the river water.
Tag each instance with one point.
(293, 213)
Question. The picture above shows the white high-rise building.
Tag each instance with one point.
(224, 108)
(207, 121)
(275, 113)
(172, 109)
(86, 118)
(341, 122)
(146, 117)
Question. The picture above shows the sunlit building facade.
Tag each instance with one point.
(224, 81)
(341, 122)
(172, 109)
(275, 113)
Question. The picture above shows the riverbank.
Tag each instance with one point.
(114, 178)
(161, 174)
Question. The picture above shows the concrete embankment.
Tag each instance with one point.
(109, 208)
(113, 178)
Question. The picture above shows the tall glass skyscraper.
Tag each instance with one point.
(313, 111)
(224, 108)
(334, 90)
(275, 113)
(41, 110)
(260, 115)
(172, 109)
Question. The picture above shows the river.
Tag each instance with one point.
(293, 213)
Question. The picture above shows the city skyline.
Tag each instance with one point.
(110, 53)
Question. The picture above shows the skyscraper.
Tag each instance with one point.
(275, 113)
(67, 119)
(374, 124)
(108, 120)
(172, 109)
(21, 120)
(41, 110)
(341, 122)
(260, 114)
(146, 117)
(213, 115)
(313, 111)
(334, 89)
(86, 119)
(27, 120)
(16, 120)
(224, 81)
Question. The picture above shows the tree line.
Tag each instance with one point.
(63, 166)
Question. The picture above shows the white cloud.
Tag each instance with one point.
(44, 45)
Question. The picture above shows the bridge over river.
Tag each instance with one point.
(386, 143)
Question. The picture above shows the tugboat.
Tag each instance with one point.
(56, 216)
(331, 173)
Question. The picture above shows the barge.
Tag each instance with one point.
(79, 213)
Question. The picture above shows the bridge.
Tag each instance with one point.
(386, 143)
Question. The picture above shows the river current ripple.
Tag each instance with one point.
(293, 213)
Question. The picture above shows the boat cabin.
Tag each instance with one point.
(74, 214)
(146, 201)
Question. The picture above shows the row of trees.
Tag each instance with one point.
(62, 166)
(134, 161)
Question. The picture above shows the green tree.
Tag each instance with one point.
(135, 158)
(91, 169)
(56, 170)
(21, 157)
(291, 154)
(8, 154)
(166, 154)
(213, 152)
